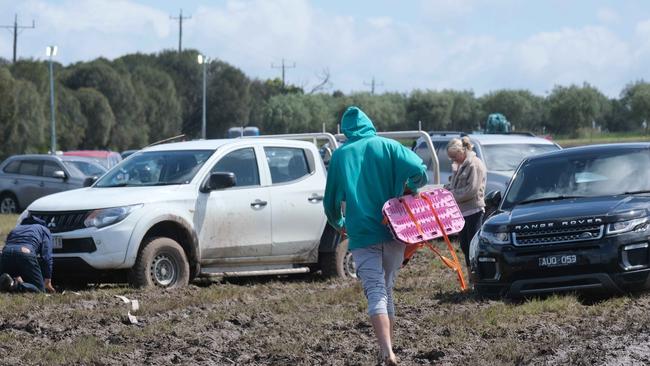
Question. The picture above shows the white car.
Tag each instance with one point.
(175, 211)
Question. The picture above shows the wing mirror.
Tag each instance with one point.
(59, 174)
(89, 181)
(219, 180)
(492, 200)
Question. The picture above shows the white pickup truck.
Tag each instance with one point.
(172, 212)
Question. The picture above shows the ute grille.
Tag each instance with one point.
(59, 222)
(557, 236)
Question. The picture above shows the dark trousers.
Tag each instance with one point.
(27, 266)
(472, 225)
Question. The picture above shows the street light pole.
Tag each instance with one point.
(204, 61)
(50, 51)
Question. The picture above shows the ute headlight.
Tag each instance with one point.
(109, 216)
(499, 238)
(635, 225)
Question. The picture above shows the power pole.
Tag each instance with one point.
(15, 28)
(283, 67)
(180, 28)
(372, 85)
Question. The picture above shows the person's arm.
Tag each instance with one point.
(475, 178)
(410, 166)
(46, 255)
(333, 197)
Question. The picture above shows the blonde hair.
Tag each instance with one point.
(462, 145)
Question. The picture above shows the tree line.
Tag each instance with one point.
(138, 99)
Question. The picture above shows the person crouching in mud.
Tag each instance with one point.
(365, 173)
(26, 260)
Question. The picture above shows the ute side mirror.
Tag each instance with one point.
(492, 200)
(219, 180)
(60, 174)
(89, 181)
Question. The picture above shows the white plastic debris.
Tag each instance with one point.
(134, 306)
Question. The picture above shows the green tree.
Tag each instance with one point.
(99, 116)
(228, 99)
(571, 108)
(635, 103)
(70, 121)
(130, 131)
(522, 108)
(432, 108)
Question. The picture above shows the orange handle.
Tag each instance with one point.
(454, 263)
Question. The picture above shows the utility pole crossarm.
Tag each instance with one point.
(283, 67)
(15, 28)
(180, 28)
(373, 85)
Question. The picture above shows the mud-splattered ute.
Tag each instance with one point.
(172, 212)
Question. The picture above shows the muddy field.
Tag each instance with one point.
(311, 321)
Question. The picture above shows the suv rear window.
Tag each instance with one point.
(29, 167)
(12, 168)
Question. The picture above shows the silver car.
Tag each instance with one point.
(25, 178)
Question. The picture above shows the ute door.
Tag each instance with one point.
(237, 220)
(297, 192)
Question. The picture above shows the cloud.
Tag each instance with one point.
(607, 15)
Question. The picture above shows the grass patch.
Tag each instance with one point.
(7, 222)
(81, 350)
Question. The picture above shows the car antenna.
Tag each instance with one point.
(166, 140)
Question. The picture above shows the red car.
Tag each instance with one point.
(104, 157)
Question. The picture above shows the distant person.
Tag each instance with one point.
(365, 173)
(27, 256)
(468, 187)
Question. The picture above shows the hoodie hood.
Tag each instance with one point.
(356, 125)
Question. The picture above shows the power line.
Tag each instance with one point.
(372, 85)
(15, 27)
(283, 67)
(180, 28)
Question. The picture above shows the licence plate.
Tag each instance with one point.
(57, 242)
(558, 260)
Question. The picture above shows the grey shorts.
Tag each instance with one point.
(377, 267)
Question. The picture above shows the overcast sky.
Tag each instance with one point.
(478, 45)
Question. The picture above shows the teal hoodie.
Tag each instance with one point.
(365, 172)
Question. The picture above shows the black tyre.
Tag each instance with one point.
(161, 263)
(8, 203)
(338, 263)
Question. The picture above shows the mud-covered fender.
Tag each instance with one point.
(150, 221)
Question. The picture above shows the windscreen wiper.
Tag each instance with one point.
(637, 192)
(551, 198)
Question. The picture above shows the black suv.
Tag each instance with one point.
(570, 220)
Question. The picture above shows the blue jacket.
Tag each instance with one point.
(33, 234)
(365, 173)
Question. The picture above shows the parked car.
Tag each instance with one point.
(501, 154)
(25, 178)
(571, 220)
(172, 212)
(107, 158)
(88, 166)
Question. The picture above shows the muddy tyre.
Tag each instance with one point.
(161, 263)
(8, 203)
(338, 263)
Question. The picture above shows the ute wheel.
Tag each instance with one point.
(338, 263)
(162, 263)
(8, 203)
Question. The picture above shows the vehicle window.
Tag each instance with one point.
(29, 167)
(286, 164)
(602, 175)
(87, 168)
(422, 150)
(49, 167)
(243, 164)
(506, 157)
(12, 167)
(156, 168)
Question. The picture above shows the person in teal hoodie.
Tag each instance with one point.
(365, 172)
